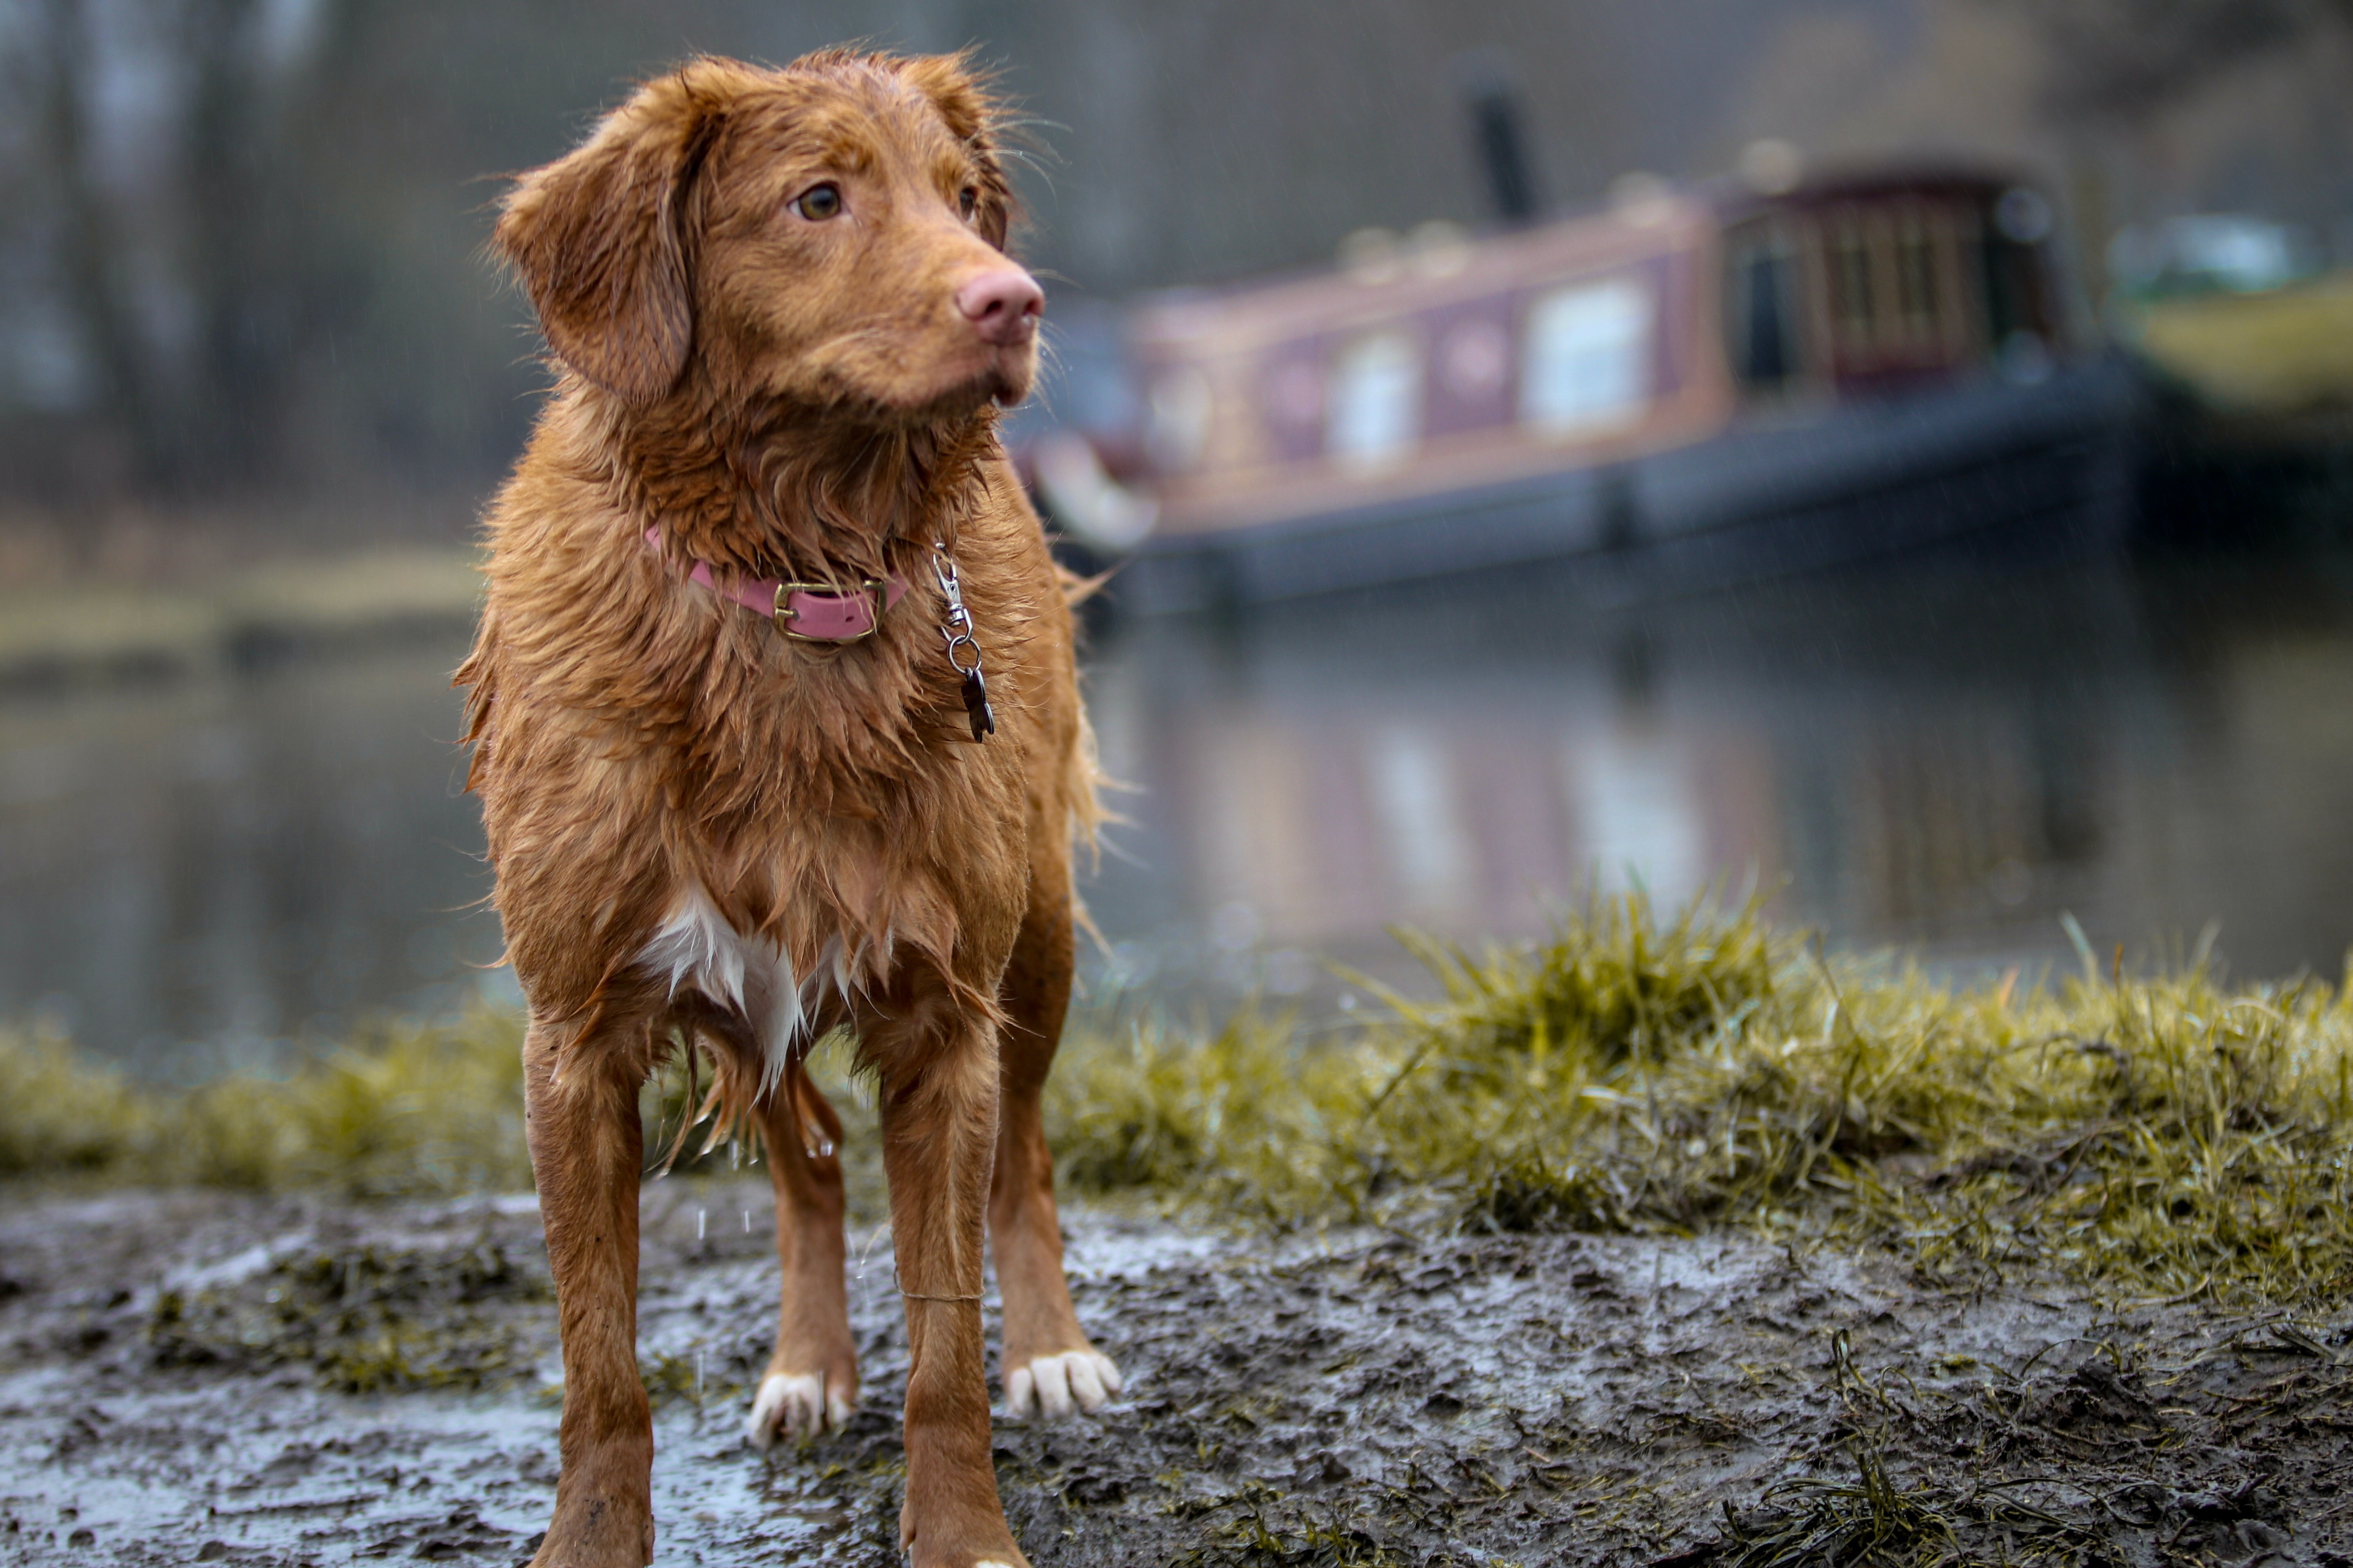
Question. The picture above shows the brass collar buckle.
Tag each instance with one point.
(825, 611)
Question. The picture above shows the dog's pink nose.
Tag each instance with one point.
(1005, 305)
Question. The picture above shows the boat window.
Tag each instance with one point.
(1850, 301)
(1376, 401)
(1763, 356)
(2017, 328)
(1916, 279)
(2013, 294)
(1589, 357)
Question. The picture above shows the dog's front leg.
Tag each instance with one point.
(811, 1382)
(939, 1133)
(587, 1148)
(1049, 1367)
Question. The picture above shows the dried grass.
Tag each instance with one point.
(402, 1109)
(2161, 1137)
(2155, 1137)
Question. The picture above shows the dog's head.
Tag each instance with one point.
(828, 234)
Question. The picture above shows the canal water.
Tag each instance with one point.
(1945, 756)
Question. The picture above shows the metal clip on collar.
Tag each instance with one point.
(964, 653)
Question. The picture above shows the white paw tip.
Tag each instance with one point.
(1056, 1385)
(793, 1407)
(991, 1562)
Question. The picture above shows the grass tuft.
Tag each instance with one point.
(1870, 1519)
(2153, 1137)
(2161, 1137)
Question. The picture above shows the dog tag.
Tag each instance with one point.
(976, 706)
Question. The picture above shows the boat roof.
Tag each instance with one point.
(1335, 299)
(1477, 267)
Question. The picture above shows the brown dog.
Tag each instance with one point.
(783, 316)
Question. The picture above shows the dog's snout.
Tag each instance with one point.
(1004, 305)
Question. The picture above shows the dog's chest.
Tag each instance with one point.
(696, 948)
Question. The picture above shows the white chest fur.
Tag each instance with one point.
(697, 949)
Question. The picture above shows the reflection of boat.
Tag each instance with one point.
(1689, 390)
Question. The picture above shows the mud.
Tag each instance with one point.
(207, 1378)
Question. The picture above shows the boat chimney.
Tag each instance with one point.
(1498, 130)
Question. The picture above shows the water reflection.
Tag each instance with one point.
(192, 873)
(1947, 755)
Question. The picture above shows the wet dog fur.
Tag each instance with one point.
(782, 319)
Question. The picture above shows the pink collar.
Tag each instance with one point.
(806, 612)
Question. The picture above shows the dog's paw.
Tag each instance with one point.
(796, 1406)
(1053, 1386)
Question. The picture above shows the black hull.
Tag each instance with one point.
(2051, 463)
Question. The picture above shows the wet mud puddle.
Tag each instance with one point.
(205, 1378)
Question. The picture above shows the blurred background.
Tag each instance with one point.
(1889, 454)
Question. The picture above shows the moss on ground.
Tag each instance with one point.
(365, 1318)
(2168, 1136)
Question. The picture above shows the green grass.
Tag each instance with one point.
(2287, 351)
(402, 1109)
(2155, 1137)
(2148, 1137)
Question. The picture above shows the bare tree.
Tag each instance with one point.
(2123, 61)
(192, 229)
(86, 264)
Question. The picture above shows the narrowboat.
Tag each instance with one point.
(1686, 390)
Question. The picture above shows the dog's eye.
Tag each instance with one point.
(967, 201)
(818, 203)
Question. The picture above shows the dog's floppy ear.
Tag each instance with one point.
(599, 239)
(961, 96)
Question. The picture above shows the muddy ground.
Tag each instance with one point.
(190, 1377)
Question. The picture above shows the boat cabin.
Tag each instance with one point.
(1447, 363)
